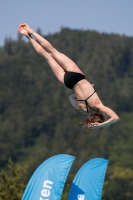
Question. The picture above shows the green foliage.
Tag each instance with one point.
(119, 184)
(36, 118)
(68, 184)
(12, 182)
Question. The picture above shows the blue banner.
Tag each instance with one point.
(48, 180)
(88, 182)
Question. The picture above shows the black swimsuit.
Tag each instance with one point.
(71, 78)
(86, 103)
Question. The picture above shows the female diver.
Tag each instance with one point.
(85, 97)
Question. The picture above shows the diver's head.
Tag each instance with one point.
(95, 117)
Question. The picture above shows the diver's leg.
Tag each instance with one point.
(56, 68)
(66, 63)
(60, 58)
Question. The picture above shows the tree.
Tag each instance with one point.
(119, 184)
(12, 182)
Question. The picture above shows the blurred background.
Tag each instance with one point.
(102, 16)
(36, 118)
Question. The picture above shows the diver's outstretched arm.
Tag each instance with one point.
(113, 117)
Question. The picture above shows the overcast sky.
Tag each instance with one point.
(110, 16)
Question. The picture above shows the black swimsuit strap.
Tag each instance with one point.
(90, 95)
(87, 97)
(86, 103)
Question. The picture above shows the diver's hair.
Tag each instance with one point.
(96, 117)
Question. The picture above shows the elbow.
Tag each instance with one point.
(116, 118)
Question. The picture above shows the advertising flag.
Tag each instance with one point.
(88, 182)
(47, 182)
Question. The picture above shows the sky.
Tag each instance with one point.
(108, 16)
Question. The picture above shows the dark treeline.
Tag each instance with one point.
(37, 120)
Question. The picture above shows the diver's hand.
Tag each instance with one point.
(93, 125)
